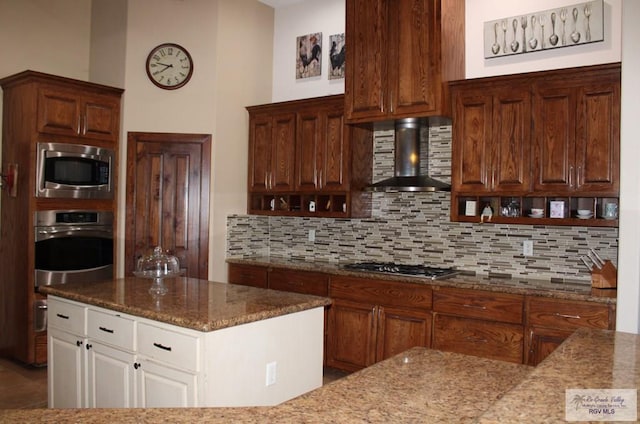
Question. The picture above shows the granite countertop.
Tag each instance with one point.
(531, 287)
(191, 303)
(420, 385)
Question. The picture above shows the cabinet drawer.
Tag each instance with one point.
(479, 304)
(66, 316)
(179, 349)
(379, 292)
(304, 282)
(248, 275)
(568, 315)
(492, 340)
(111, 329)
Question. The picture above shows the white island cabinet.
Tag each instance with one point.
(105, 358)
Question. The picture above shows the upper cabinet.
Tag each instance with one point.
(304, 160)
(538, 147)
(399, 53)
(577, 134)
(70, 112)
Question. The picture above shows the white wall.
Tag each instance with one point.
(326, 16)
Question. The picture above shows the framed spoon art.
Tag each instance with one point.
(565, 26)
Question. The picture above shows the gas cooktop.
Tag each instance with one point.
(433, 273)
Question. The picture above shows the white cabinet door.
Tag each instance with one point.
(66, 370)
(160, 386)
(111, 378)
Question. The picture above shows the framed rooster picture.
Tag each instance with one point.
(336, 56)
(309, 58)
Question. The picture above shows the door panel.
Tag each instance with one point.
(168, 198)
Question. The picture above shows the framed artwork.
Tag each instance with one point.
(336, 56)
(309, 55)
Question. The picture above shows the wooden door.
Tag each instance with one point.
(399, 330)
(472, 129)
(335, 160)
(366, 59)
(351, 335)
(283, 152)
(541, 342)
(511, 156)
(309, 149)
(259, 152)
(168, 198)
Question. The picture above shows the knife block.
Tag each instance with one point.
(605, 278)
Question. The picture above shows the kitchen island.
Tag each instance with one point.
(421, 385)
(115, 344)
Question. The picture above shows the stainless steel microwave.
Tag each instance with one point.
(74, 171)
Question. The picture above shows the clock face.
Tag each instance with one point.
(169, 66)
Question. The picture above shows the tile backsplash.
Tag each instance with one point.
(415, 228)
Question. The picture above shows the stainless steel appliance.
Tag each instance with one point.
(76, 171)
(71, 245)
(423, 271)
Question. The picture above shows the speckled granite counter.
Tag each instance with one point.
(191, 303)
(531, 287)
(421, 385)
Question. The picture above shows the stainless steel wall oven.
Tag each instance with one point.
(71, 245)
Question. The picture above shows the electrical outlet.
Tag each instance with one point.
(527, 248)
(312, 235)
(271, 374)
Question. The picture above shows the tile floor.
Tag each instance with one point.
(26, 387)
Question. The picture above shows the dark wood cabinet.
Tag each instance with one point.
(477, 322)
(248, 275)
(304, 160)
(39, 107)
(371, 320)
(531, 139)
(577, 136)
(271, 152)
(550, 321)
(399, 53)
(67, 112)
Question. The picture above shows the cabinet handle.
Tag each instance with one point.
(571, 176)
(295, 283)
(266, 179)
(136, 365)
(466, 305)
(106, 330)
(579, 178)
(62, 316)
(79, 124)
(84, 125)
(391, 101)
(89, 346)
(320, 182)
(79, 343)
(160, 346)
(567, 316)
(475, 339)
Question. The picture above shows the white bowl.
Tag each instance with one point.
(537, 211)
(584, 212)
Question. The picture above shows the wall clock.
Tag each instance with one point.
(169, 66)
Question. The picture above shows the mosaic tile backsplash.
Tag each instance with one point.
(415, 228)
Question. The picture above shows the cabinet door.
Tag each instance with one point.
(310, 151)
(351, 340)
(472, 131)
(335, 157)
(259, 152)
(598, 138)
(160, 386)
(554, 138)
(366, 59)
(399, 330)
(66, 370)
(541, 342)
(305, 282)
(511, 141)
(282, 152)
(413, 57)
(100, 117)
(110, 380)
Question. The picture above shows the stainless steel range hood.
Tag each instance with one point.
(407, 162)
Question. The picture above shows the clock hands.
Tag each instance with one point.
(165, 66)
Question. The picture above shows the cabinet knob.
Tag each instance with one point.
(136, 365)
(79, 343)
(89, 346)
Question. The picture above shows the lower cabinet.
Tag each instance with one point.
(67, 379)
(371, 320)
(111, 377)
(551, 321)
(160, 386)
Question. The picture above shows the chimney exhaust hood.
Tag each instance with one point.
(407, 162)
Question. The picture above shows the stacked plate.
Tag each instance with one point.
(584, 214)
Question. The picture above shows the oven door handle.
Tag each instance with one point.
(56, 232)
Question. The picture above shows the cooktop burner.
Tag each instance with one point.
(425, 271)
